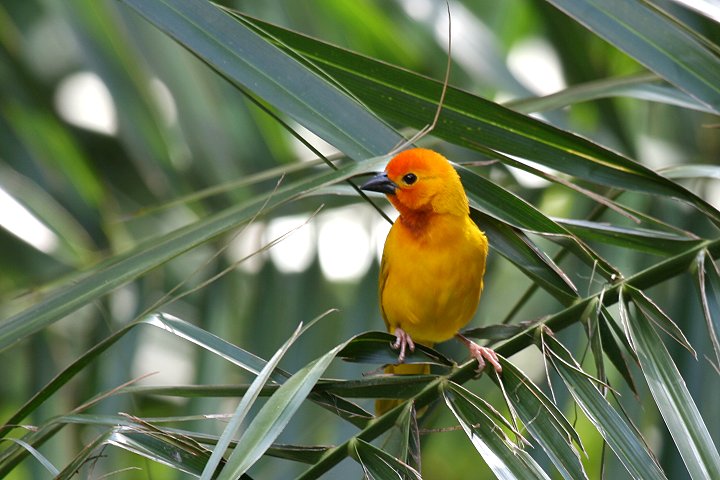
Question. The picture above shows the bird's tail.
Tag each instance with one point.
(382, 405)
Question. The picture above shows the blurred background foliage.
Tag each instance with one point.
(112, 136)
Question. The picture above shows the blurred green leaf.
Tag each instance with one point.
(643, 86)
(690, 171)
(250, 62)
(655, 39)
(126, 267)
(47, 464)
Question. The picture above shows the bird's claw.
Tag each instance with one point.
(403, 342)
(481, 354)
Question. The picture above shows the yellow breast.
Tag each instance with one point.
(431, 281)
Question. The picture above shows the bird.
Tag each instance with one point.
(433, 261)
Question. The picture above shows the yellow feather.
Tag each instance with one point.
(431, 275)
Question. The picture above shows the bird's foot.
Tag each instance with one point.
(481, 354)
(403, 342)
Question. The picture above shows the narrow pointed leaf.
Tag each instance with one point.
(643, 86)
(674, 401)
(468, 120)
(248, 60)
(643, 240)
(377, 386)
(47, 464)
(274, 415)
(498, 331)
(544, 421)
(482, 423)
(613, 350)
(653, 312)
(692, 171)
(709, 283)
(651, 37)
(591, 324)
(243, 408)
(126, 267)
(514, 211)
(620, 437)
(158, 449)
(380, 465)
(375, 347)
(520, 250)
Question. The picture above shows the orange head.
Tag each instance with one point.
(421, 181)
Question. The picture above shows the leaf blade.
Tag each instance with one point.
(674, 401)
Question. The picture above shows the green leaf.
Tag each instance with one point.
(347, 410)
(82, 458)
(497, 202)
(499, 331)
(249, 61)
(297, 453)
(468, 120)
(407, 424)
(337, 405)
(129, 266)
(709, 283)
(653, 38)
(613, 350)
(658, 317)
(212, 343)
(640, 239)
(480, 422)
(520, 250)
(375, 347)
(543, 420)
(674, 401)
(378, 464)
(243, 408)
(692, 171)
(274, 415)
(643, 86)
(620, 437)
(591, 325)
(47, 464)
(378, 386)
(158, 449)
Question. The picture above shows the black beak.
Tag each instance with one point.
(380, 183)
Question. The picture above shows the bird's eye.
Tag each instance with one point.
(409, 178)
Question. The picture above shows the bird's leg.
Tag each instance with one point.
(481, 354)
(402, 341)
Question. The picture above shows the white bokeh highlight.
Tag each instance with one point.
(83, 100)
(19, 221)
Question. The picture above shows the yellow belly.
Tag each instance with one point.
(430, 285)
